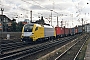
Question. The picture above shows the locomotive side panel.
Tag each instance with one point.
(49, 31)
(38, 32)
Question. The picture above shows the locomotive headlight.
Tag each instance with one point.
(22, 34)
(32, 33)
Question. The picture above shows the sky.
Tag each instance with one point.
(69, 11)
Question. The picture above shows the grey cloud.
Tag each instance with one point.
(36, 0)
(6, 8)
(60, 6)
(37, 7)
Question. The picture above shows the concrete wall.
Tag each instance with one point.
(13, 35)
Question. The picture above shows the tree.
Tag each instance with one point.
(40, 21)
(14, 26)
(20, 26)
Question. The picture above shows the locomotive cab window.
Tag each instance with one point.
(28, 28)
(36, 29)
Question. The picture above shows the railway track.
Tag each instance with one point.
(8, 46)
(20, 53)
(72, 52)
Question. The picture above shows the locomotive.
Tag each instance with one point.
(36, 32)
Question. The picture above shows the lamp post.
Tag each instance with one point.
(2, 30)
(57, 21)
(51, 16)
(82, 24)
(2, 18)
(2, 11)
(31, 15)
(61, 23)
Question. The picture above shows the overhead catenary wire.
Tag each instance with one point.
(79, 10)
(44, 7)
(39, 5)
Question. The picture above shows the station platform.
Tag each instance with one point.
(87, 55)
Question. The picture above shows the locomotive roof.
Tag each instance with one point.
(29, 24)
(47, 26)
(38, 25)
(33, 24)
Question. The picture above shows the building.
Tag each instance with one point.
(4, 23)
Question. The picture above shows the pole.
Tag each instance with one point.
(57, 20)
(2, 11)
(31, 15)
(62, 23)
(51, 16)
(1, 31)
(82, 24)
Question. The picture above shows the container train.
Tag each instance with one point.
(36, 32)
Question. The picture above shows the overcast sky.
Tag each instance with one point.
(68, 11)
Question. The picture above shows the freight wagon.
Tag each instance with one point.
(59, 32)
(67, 31)
(72, 31)
(79, 29)
(87, 28)
(76, 30)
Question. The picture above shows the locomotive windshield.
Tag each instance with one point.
(28, 28)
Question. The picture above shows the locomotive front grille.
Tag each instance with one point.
(27, 39)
